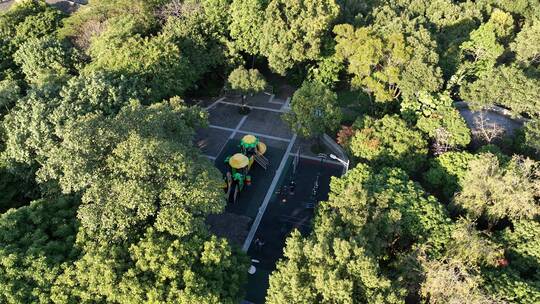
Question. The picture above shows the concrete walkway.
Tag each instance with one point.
(497, 115)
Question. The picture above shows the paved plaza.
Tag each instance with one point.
(260, 204)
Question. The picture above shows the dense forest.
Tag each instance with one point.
(104, 196)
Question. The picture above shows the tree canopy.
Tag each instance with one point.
(313, 110)
(37, 244)
(246, 24)
(508, 86)
(389, 142)
(105, 196)
(436, 116)
(246, 81)
(45, 59)
(146, 167)
(369, 220)
(295, 31)
(499, 191)
(446, 173)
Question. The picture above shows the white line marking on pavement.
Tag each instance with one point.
(252, 107)
(286, 106)
(215, 102)
(249, 132)
(221, 128)
(238, 126)
(268, 196)
(265, 136)
(271, 100)
(221, 149)
(233, 132)
(210, 157)
(316, 158)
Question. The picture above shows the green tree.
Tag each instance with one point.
(295, 31)
(33, 127)
(201, 34)
(37, 243)
(514, 282)
(450, 281)
(484, 49)
(389, 142)
(98, 16)
(386, 63)
(500, 191)
(155, 61)
(10, 92)
(532, 136)
(353, 12)
(523, 245)
(507, 86)
(155, 268)
(436, 116)
(28, 131)
(44, 60)
(327, 71)
(15, 16)
(246, 82)
(39, 25)
(473, 247)
(314, 110)
(139, 169)
(447, 172)
(217, 13)
(408, 215)
(17, 185)
(371, 218)
(449, 24)
(528, 53)
(247, 19)
(94, 92)
(374, 61)
(455, 276)
(329, 269)
(146, 193)
(526, 8)
(485, 45)
(421, 71)
(503, 25)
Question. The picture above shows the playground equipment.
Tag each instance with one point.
(315, 190)
(239, 164)
(254, 150)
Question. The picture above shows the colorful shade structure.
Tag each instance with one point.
(261, 147)
(249, 141)
(238, 161)
(239, 165)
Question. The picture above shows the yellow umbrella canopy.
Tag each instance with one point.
(261, 147)
(249, 139)
(238, 161)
